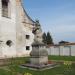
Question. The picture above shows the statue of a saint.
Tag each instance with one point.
(37, 32)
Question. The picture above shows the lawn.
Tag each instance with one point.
(63, 69)
(62, 58)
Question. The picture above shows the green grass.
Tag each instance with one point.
(14, 69)
(64, 58)
(61, 70)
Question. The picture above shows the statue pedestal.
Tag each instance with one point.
(39, 60)
(39, 54)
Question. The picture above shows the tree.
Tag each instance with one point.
(44, 38)
(49, 39)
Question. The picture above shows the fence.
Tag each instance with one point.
(68, 50)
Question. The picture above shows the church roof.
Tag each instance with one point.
(28, 15)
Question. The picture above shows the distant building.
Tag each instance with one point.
(16, 27)
(63, 42)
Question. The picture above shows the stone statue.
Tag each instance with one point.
(39, 54)
(37, 32)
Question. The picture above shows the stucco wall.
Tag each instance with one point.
(68, 50)
(15, 29)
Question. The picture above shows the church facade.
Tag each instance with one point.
(16, 27)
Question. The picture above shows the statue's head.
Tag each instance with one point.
(36, 27)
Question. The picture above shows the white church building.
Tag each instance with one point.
(16, 27)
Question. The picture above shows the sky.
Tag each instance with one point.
(55, 16)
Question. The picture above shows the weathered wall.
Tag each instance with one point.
(23, 28)
(62, 50)
(15, 29)
(8, 32)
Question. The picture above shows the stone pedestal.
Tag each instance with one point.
(39, 54)
(39, 60)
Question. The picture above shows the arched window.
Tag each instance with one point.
(5, 8)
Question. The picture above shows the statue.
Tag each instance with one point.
(39, 54)
(37, 31)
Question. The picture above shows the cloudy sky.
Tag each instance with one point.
(56, 16)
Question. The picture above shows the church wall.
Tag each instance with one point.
(8, 32)
(0, 9)
(13, 28)
(23, 30)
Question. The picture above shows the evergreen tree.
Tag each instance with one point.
(49, 39)
(44, 38)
